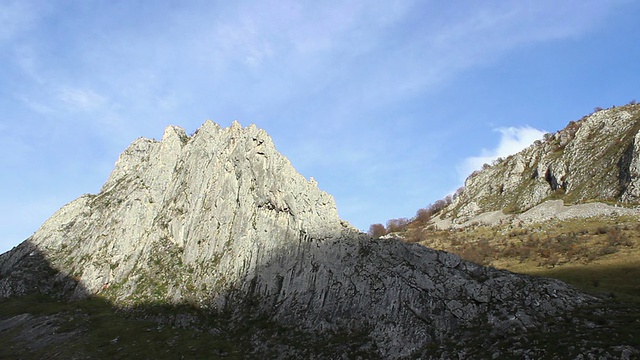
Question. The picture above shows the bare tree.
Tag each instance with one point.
(377, 230)
(424, 215)
(397, 225)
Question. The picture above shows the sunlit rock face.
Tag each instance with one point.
(221, 221)
(217, 204)
(594, 158)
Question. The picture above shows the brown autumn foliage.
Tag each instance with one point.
(397, 225)
(377, 230)
(422, 218)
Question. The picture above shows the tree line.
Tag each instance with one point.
(422, 217)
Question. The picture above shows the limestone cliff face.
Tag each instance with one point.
(221, 221)
(595, 158)
(214, 204)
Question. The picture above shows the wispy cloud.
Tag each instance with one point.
(268, 54)
(17, 16)
(512, 140)
(444, 44)
(343, 87)
(81, 99)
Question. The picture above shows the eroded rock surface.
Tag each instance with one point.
(221, 221)
(594, 158)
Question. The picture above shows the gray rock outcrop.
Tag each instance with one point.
(595, 158)
(547, 211)
(221, 221)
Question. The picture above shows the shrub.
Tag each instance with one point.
(550, 261)
(511, 209)
(608, 249)
(397, 225)
(377, 230)
(458, 193)
(440, 204)
(424, 215)
(480, 252)
(416, 235)
(472, 255)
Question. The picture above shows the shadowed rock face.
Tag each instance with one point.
(405, 295)
(221, 221)
(25, 270)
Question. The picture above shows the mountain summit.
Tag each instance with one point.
(220, 222)
(214, 205)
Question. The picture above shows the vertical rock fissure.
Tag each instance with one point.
(551, 179)
(624, 169)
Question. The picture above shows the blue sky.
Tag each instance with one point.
(387, 104)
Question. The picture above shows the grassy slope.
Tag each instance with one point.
(598, 254)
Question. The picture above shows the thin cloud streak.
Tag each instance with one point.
(81, 99)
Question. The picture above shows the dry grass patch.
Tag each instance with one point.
(617, 275)
(597, 254)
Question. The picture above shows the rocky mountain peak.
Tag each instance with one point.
(220, 221)
(213, 195)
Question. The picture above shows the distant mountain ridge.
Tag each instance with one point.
(596, 158)
(221, 222)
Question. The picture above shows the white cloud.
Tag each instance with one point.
(67, 99)
(482, 32)
(81, 99)
(512, 140)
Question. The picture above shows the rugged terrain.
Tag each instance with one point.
(596, 158)
(580, 226)
(584, 208)
(217, 236)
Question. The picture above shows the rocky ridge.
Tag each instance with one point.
(596, 158)
(220, 221)
(546, 211)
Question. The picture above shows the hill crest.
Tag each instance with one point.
(596, 158)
